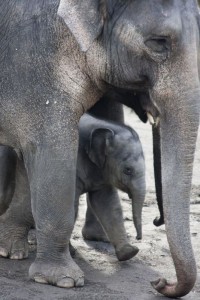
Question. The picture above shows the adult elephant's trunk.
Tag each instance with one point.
(158, 221)
(179, 126)
(137, 195)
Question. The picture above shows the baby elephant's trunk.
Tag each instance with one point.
(137, 195)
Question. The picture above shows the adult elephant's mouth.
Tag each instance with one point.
(142, 84)
(138, 100)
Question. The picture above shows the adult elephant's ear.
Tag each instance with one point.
(84, 18)
(97, 147)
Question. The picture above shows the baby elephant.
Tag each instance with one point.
(110, 156)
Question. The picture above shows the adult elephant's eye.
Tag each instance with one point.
(158, 44)
(128, 171)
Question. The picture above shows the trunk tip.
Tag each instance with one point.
(158, 221)
(171, 290)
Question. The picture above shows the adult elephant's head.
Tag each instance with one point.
(153, 46)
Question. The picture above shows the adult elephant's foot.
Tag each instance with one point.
(13, 242)
(65, 274)
(126, 252)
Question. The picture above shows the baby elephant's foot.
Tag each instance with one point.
(13, 243)
(139, 236)
(64, 274)
(126, 252)
(94, 233)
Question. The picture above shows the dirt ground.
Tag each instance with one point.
(105, 277)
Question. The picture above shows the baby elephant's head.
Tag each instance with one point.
(118, 153)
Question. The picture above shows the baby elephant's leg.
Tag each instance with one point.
(106, 206)
(92, 229)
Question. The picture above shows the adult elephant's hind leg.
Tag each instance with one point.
(8, 159)
(17, 220)
(51, 171)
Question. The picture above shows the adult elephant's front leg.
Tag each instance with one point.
(51, 171)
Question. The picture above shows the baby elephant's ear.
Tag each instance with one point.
(97, 145)
(84, 18)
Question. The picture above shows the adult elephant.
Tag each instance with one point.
(57, 59)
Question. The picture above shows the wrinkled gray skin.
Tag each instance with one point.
(110, 156)
(57, 59)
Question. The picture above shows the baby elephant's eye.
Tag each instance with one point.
(128, 171)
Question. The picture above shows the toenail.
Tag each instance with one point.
(40, 279)
(66, 283)
(3, 252)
